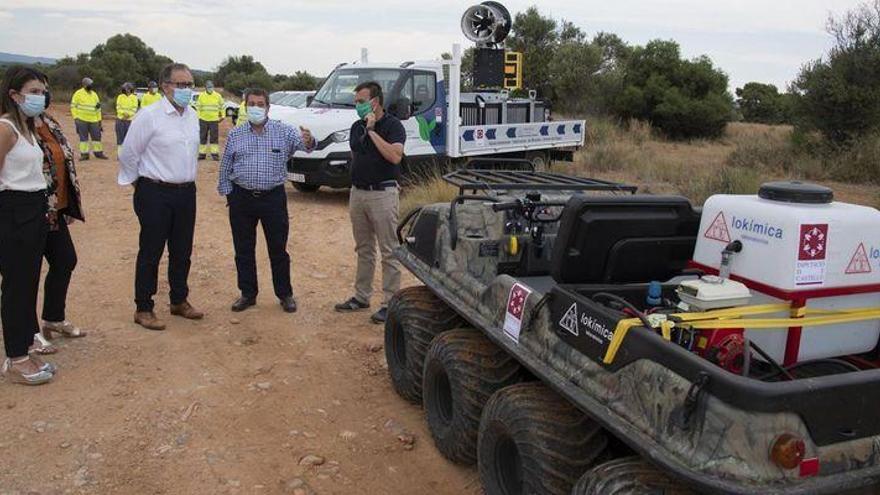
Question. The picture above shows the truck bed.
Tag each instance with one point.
(476, 140)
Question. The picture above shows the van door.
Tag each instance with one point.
(425, 131)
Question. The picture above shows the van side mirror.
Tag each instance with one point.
(309, 100)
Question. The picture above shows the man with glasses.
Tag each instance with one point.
(159, 158)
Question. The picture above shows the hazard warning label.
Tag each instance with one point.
(569, 320)
(859, 262)
(718, 229)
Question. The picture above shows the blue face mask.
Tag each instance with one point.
(182, 96)
(33, 105)
(256, 115)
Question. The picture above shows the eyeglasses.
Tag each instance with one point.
(181, 85)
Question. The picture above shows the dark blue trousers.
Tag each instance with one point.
(167, 216)
(269, 208)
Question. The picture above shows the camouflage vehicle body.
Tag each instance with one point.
(702, 425)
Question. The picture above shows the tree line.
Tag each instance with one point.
(836, 95)
(126, 58)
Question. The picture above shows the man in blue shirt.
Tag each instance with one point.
(252, 176)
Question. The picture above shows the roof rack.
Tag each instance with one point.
(522, 180)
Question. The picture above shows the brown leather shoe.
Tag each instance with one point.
(186, 310)
(148, 320)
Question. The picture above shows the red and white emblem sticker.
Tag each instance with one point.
(516, 305)
(859, 263)
(814, 242)
(717, 231)
(812, 251)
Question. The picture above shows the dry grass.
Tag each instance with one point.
(424, 191)
(738, 163)
(746, 156)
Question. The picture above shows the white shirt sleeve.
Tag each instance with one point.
(133, 148)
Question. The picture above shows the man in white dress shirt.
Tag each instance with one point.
(159, 157)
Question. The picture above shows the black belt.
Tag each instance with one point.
(175, 185)
(388, 184)
(256, 193)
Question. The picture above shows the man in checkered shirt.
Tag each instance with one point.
(252, 175)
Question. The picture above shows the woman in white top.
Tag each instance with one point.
(23, 225)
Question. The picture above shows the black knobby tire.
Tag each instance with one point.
(533, 441)
(462, 370)
(415, 317)
(306, 188)
(627, 476)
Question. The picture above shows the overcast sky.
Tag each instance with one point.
(751, 40)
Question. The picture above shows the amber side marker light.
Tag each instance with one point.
(787, 451)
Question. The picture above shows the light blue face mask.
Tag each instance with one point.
(183, 96)
(256, 115)
(33, 105)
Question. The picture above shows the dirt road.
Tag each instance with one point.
(258, 402)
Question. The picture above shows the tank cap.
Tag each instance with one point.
(796, 192)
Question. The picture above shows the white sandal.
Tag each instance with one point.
(17, 376)
(64, 328)
(42, 346)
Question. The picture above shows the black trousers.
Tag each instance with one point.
(60, 254)
(209, 131)
(166, 215)
(121, 130)
(23, 229)
(270, 210)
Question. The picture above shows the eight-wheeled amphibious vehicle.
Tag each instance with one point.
(572, 336)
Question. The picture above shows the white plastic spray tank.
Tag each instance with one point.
(799, 246)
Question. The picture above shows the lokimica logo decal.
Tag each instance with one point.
(748, 227)
(573, 321)
(756, 226)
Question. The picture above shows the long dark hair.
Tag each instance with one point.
(13, 80)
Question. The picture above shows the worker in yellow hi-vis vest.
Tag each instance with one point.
(209, 106)
(85, 106)
(242, 113)
(126, 107)
(151, 96)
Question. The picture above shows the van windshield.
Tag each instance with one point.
(338, 89)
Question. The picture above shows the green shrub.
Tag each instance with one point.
(683, 98)
(840, 94)
(762, 103)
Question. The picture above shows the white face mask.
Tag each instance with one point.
(33, 105)
(256, 115)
